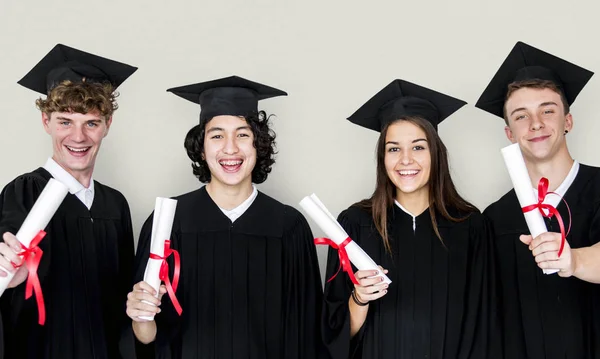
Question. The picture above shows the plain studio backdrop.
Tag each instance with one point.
(330, 56)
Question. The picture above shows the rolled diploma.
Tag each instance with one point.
(162, 223)
(513, 158)
(325, 220)
(38, 218)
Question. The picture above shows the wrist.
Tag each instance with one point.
(357, 300)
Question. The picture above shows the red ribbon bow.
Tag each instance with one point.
(31, 258)
(540, 205)
(164, 273)
(342, 254)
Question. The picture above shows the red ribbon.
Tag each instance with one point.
(31, 258)
(342, 254)
(164, 273)
(540, 205)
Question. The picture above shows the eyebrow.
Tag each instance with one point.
(549, 103)
(214, 129)
(396, 143)
(68, 119)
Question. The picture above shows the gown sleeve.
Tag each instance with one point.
(481, 336)
(336, 314)
(302, 294)
(16, 200)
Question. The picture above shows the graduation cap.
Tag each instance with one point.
(525, 62)
(404, 99)
(232, 95)
(66, 63)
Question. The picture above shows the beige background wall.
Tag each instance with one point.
(330, 56)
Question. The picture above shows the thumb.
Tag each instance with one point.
(525, 238)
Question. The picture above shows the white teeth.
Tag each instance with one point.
(231, 163)
(78, 149)
(408, 172)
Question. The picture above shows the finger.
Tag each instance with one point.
(365, 274)
(365, 282)
(145, 287)
(552, 265)
(10, 254)
(12, 241)
(366, 291)
(140, 296)
(525, 238)
(546, 247)
(142, 306)
(367, 297)
(7, 265)
(548, 256)
(543, 238)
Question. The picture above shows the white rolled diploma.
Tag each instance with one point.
(325, 220)
(162, 223)
(515, 164)
(38, 218)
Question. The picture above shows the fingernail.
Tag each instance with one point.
(385, 291)
(159, 310)
(376, 272)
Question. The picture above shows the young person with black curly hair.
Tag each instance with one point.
(250, 285)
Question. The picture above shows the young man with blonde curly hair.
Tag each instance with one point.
(85, 270)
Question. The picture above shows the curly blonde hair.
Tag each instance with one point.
(80, 97)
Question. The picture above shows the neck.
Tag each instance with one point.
(229, 197)
(555, 170)
(83, 177)
(416, 203)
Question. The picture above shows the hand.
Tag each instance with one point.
(10, 258)
(370, 285)
(143, 291)
(545, 250)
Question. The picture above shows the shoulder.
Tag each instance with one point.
(356, 215)
(496, 209)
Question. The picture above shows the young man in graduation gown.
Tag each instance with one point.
(250, 284)
(88, 253)
(556, 315)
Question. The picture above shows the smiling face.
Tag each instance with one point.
(407, 159)
(537, 121)
(76, 139)
(229, 151)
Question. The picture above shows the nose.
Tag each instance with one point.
(536, 123)
(406, 157)
(78, 134)
(231, 146)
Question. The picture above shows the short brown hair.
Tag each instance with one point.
(80, 97)
(535, 84)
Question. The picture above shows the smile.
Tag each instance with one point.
(231, 166)
(408, 173)
(78, 151)
(539, 139)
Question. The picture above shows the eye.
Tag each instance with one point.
(548, 112)
(418, 148)
(393, 149)
(216, 137)
(243, 135)
(519, 117)
(65, 123)
(92, 124)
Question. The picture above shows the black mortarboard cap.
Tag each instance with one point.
(525, 62)
(232, 95)
(403, 99)
(66, 63)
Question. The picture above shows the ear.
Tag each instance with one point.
(509, 134)
(108, 123)
(568, 122)
(46, 122)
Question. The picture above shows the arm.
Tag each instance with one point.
(367, 290)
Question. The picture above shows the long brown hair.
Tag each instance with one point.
(442, 192)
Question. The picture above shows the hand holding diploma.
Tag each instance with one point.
(340, 239)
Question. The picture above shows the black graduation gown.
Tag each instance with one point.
(85, 274)
(546, 316)
(250, 289)
(440, 303)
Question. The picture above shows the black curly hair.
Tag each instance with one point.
(264, 142)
